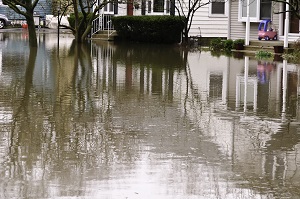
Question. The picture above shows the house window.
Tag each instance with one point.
(265, 9)
(168, 6)
(218, 7)
(109, 8)
(158, 6)
(258, 10)
(252, 8)
(149, 6)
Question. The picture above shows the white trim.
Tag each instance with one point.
(157, 13)
(252, 19)
(108, 11)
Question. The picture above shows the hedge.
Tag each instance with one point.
(154, 29)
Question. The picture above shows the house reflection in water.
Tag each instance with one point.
(217, 123)
(267, 90)
(264, 68)
(257, 118)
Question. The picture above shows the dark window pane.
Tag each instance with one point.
(111, 7)
(116, 7)
(265, 9)
(158, 6)
(149, 6)
(218, 7)
(168, 7)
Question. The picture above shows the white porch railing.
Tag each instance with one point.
(103, 22)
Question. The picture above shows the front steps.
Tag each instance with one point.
(103, 35)
(263, 45)
(257, 45)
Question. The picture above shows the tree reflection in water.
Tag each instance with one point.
(135, 120)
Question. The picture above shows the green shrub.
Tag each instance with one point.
(261, 54)
(237, 42)
(154, 29)
(228, 44)
(216, 44)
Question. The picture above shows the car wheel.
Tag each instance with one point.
(275, 37)
(2, 24)
(259, 38)
(267, 38)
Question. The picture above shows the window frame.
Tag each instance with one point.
(150, 8)
(257, 18)
(219, 15)
(156, 6)
(109, 8)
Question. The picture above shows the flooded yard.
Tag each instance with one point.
(120, 120)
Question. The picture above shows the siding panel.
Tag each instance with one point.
(208, 26)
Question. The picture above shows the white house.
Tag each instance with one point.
(286, 24)
(220, 18)
(211, 20)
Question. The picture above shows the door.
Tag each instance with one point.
(130, 7)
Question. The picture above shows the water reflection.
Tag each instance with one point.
(107, 120)
(264, 70)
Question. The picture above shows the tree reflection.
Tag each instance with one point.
(23, 128)
(123, 112)
(71, 135)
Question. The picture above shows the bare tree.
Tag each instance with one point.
(26, 9)
(84, 12)
(294, 7)
(186, 10)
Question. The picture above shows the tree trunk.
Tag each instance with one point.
(186, 37)
(79, 36)
(31, 32)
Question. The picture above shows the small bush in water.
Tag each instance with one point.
(218, 44)
(263, 54)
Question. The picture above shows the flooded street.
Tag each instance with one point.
(141, 121)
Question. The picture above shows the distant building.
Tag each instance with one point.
(43, 8)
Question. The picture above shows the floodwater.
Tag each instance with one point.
(128, 121)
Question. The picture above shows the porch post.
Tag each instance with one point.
(280, 28)
(247, 24)
(286, 25)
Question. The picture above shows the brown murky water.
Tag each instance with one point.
(117, 121)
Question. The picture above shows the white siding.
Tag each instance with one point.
(203, 24)
(237, 29)
(208, 26)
